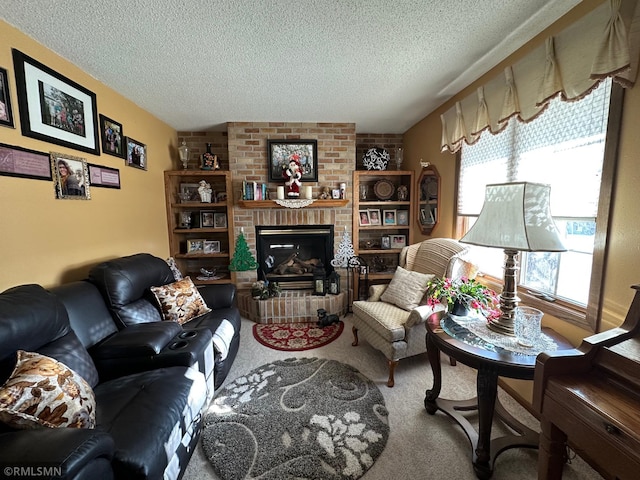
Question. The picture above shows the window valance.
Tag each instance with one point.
(604, 43)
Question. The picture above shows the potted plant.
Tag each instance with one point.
(462, 295)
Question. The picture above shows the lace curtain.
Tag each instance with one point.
(604, 43)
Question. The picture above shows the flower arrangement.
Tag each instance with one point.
(263, 289)
(468, 292)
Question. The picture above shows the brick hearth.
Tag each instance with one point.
(292, 306)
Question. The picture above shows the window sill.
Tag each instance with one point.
(564, 311)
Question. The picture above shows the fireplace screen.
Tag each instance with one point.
(288, 255)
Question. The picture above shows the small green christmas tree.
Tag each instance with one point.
(242, 259)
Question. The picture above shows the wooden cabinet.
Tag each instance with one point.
(428, 211)
(383, 208)
(200, 234)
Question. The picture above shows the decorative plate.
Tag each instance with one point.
(384, 189)
(376, 159)
(432, 188)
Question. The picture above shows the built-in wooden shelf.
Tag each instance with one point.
(331, 203)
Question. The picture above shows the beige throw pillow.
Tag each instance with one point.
(180, 301)
(42, 392)
(406, 289)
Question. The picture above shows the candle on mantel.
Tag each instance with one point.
(308, 192)
(280, 193)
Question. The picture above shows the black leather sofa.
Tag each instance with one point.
(151, 378)
(148, 416)
(125, 284)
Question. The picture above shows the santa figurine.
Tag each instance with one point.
(292, 175)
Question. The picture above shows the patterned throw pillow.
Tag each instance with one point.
(42, 392)
(180, 301)
(406, 288)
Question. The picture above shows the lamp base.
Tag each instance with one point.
(503, 326)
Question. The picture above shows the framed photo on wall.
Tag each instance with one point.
(21, 162)
(136, 154)
(54, 108)
(112, 137)
(70, 176)
(6, 115)
(101, 176)
(281, 152)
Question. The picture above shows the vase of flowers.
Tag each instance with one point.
(463, 295)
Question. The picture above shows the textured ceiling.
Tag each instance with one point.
(196, 64)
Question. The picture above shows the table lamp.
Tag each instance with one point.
(516, 217)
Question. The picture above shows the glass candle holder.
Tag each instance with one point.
(528, 325)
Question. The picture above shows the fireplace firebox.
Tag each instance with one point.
(289, 254)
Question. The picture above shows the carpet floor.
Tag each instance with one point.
(420, 446)
(296, 418)
(295, 337)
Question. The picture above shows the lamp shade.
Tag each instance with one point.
(516, 216)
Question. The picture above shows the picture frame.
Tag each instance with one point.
(211, 246)
(22, 162)
(136, 155)
(389, 217)
(195, 245)
(335, 193)
(402, 217)
(6, 113)
(398, 241)
(104, 177)
(70, 176)
(219, 220)
(112, 137)
(363, 216)
(206, 219)
(279, 153)
(54, 108)
(385, 242)
(374, 216)
(191, 190)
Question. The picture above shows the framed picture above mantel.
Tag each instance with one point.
(281, 152)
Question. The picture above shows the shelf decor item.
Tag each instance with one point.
(384, 189)
(209, 160)
(376, 159)
(183, 151)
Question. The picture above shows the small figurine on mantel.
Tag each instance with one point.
(205, 191)
(293, 174)
(209, 160)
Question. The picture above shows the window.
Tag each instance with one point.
(566, 148)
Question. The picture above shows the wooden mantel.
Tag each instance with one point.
(330, 203)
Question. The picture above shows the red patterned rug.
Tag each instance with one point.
(293, 337)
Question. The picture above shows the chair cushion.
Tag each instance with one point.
(406, 288)
(180, 301)
(42, 392)
(385, 319)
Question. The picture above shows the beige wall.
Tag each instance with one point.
(623, 267)
(47, 241)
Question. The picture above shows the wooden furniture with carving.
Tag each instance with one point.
(589, 397)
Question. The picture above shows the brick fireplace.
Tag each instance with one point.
(243, 150)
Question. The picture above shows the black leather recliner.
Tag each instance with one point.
(147, 422)
(125, 285)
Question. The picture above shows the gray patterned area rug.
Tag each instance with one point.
(300, 418)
